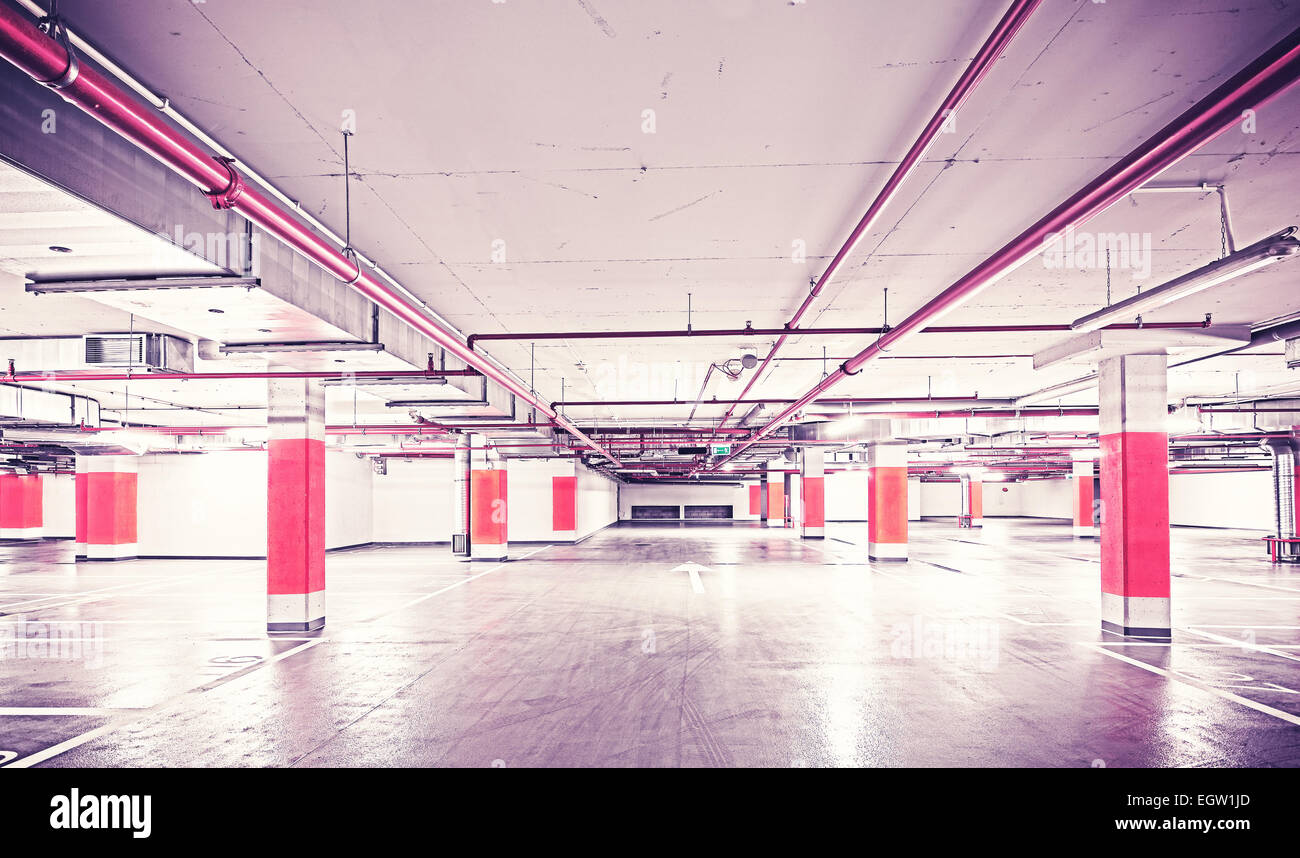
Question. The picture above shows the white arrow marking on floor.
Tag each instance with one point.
(694, 569)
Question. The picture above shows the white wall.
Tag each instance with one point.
(1030, 499)
(202, 505)
(652, 494)
(940, 499)
(1242, 500)
(530, 497)
(846, 496)
(348, 499)
(413, 501)
(214, 504)
(58, 505)
(597, 501)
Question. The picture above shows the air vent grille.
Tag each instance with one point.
(104, 350)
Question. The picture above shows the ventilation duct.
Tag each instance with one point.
(142, 351)
(1284, 497)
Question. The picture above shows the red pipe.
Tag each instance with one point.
(72, 377)
(813, 332)
(1228, 409)
(1222, 109)
(856, 400)
(988, 54)
(45, 59)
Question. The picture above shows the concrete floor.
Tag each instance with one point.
(984, 650)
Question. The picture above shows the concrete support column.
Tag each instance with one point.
(81, 480)
(762, 498)
(106, 506)
(887, 502)
(776, 494)
(812, 492)
(972, 499)
(914, 499)
(21, 506)
(488, 509)
(1134, 496)
(1082, 493)
(295, 508)
(460, 498)
(564, 506)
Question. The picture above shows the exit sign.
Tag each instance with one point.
(722, 449)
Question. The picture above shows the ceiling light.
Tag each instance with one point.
(58, 248)
(215, 310)
(1258, 255)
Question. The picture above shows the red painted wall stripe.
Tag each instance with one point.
(295, 516)
(887, 505)
(1135, 511)
(755, 500)
(488, 514)
(110, 508)
(813, 493)
(33, 501)
(80, 484)
(564, 503)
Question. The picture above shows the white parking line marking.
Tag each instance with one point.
(1226, 695)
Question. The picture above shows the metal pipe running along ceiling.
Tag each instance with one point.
(989, 52)
(50, 63)
(1270, 74)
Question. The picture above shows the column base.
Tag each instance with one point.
(565, 535)
(125, 551)
(295, 612)
(20, 532)
(887, 551)
(79, 550)
(1136, 616)
(813, 533)
(1083, 531)
(498, 553)
(977, 522)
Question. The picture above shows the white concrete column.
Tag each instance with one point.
(812, 492)
(1134, 496)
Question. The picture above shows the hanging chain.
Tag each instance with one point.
(1108, 277)
(1223, 233)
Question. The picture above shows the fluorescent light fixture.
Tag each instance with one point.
(1057, 391)
(1258, 255)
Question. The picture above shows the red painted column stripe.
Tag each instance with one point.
(1083, 489)
(976, 499)
(11, 502)
(755, 499)
(564, 503)
(775, 502)
(81, 511)
(488, 508)
(887, 505)
(1135, 504)
(295, 543)
(813, 495)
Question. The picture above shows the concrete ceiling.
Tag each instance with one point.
(775, 123)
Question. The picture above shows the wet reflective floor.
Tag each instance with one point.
(656, 644)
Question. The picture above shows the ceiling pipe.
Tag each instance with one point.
(48, 62)
(1274, 71)
(812, 332)
(988, 54)
(331, 375)
(852, 400)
